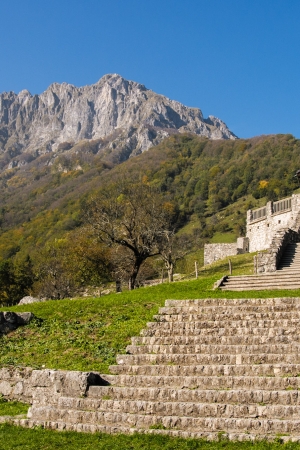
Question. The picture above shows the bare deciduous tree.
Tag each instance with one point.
(130, 216)
(172, 248)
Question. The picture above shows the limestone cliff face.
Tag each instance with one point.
(125, 113)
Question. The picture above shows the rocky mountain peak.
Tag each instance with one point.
(129, 116)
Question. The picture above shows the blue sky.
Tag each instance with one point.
(236, 59)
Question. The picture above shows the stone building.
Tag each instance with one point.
(263, 223)
(267, 228)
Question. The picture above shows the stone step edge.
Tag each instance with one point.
(246, 339)
(95, 392)
(286, 320)
(109, 378)
(218, 422)
(289, 284)
(265, 366)
(258, 331)
(277, 283)
(175, 302)
(256, 288)
(222, 332)
(209, 436)
(112, 405)
(199, 324)
(205, 348)
(200, 309)
(144, 358)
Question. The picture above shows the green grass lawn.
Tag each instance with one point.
(86, 334)
(12, 437)
(12, 408)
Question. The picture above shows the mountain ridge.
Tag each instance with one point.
(37, 124)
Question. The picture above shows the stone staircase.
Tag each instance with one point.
(286, 277)
(212, 368)
(290, 260)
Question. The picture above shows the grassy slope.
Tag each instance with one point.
(37, 439)
(86, 334)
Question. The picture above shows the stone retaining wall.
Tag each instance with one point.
(214, 252)
(24, 384)
(16, 384)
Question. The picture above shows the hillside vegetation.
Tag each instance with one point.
(212, 183)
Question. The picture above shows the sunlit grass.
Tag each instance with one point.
(12, 437)
(12, 408)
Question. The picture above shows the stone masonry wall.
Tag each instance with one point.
(16, 384)
(24, 384)
(214, 252)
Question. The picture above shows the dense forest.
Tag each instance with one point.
(210, 184)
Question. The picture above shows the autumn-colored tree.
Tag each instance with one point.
(16, 280)
(54, 280)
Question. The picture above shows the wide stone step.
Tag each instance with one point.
(195, 328)
(253, 287)
(203, 348)
(241, 397)
(214, 339)
(224, 309)
(207, 359)
(231, 302)
(219, 331)
(280, 280)
(199, 310)
(206, 382)
(173, 408)
(185, 423)
(260, 282)
(281, 277)
(259, 370)
(229, 315)
(210, 436)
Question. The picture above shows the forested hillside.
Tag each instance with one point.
(211, 183)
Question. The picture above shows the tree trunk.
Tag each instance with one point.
(134, 273)
(170, 272)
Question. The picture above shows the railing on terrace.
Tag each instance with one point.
(259, 213)
(282, 205)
